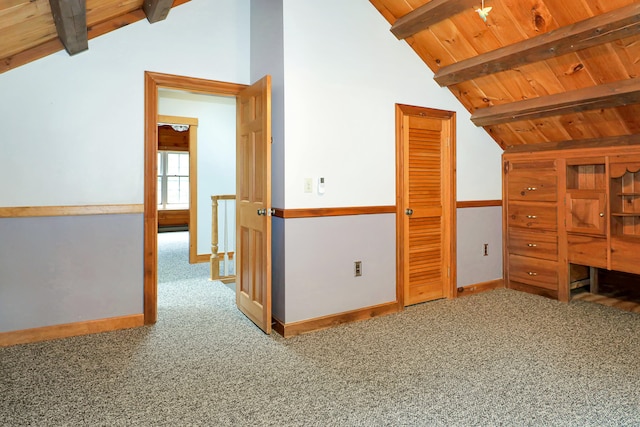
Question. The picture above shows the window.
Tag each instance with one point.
(173, 180)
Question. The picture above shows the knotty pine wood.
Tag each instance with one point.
(585, 170)
(464, 36)
(172, 140)
(591, 32)
(28, 33)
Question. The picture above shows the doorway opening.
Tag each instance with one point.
(154, 83)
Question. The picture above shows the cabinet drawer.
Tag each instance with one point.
(534, 271)
(533, 215)
(537, 244)
(587, 250)
(534, 185)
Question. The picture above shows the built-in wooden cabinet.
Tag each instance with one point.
(531, 215)
(624, 172)
(569, 207)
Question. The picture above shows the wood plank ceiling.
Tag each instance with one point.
(551, 72)
(32, 29)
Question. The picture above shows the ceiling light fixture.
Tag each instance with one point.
(484, 11)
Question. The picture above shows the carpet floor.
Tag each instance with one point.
(501, 358)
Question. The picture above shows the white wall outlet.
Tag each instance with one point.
(308, 185)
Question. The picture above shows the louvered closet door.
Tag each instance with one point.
(425, 269)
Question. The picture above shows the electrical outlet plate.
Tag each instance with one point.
(357, 268)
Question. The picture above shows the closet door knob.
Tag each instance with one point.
(408, 211)
(262, 212)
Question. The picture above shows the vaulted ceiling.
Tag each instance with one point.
(537, 71)
(32, 29)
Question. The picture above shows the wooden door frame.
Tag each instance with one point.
(152, 82)
(449, 182)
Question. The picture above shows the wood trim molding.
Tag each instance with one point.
(324, 212)
(478, 203)
(480, 287)
(38, 211)
(177, 120)
(67, 330)
(288, 330)
(55, 45)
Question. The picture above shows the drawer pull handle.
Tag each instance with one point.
(532, 216)
(601, 214)
(532, 188)
(532, 245)
(532, 273)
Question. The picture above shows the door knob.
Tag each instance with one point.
(262, 211)
(408, 211)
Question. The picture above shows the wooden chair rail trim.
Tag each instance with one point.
(55, 45)
(323, 212)
(288, 330)
(67, 330)
(478, 203)
(39, 211)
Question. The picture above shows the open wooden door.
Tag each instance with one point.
(253, 203)
(426, 203)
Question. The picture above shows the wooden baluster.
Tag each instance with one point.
(214, 260)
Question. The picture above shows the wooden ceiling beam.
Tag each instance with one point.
(70, 17)
(157, 10)
(607, 95)
(429, 14)
(614, 25)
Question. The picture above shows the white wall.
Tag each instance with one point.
(57, 147)
(73, 134)
(344, 73)
(216, 152)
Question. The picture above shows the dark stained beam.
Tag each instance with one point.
(429, 14)
(614, 25)
(608, 95)
(157, 10)
(70, 17)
